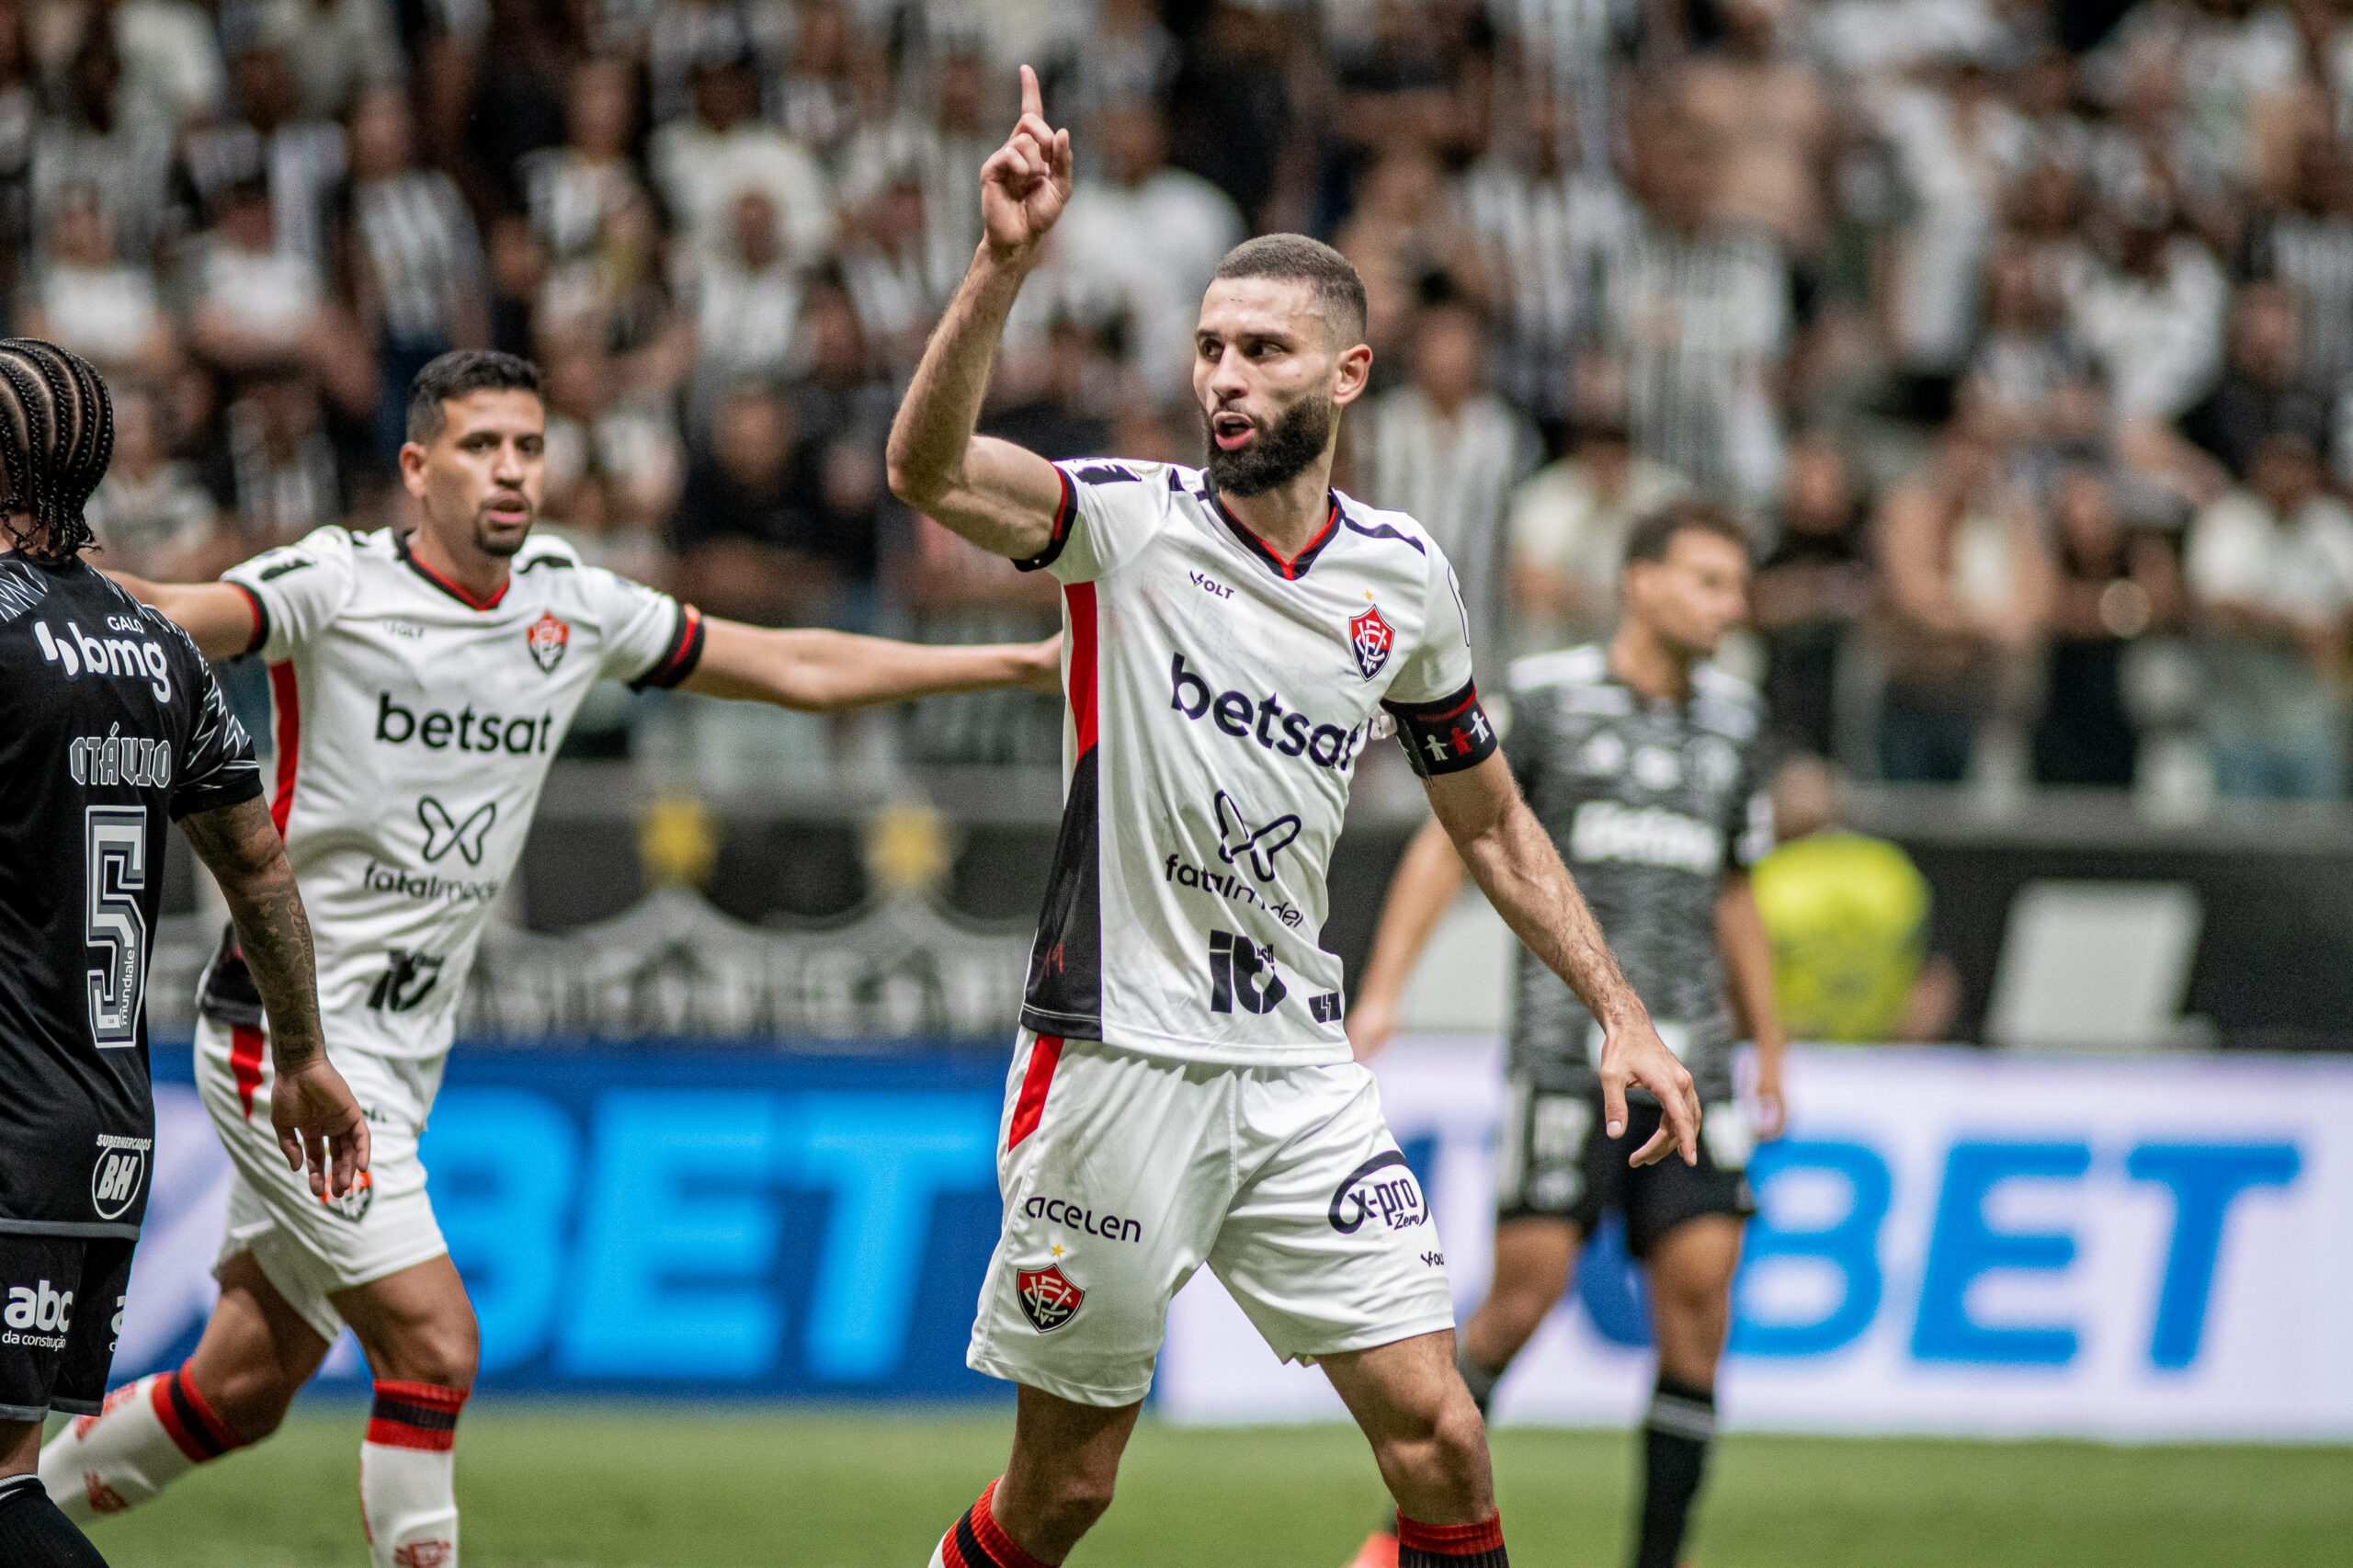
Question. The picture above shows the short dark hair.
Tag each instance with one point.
(1654, 535)
(1296, 258)
(457, 373)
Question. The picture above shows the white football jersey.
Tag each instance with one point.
(1220, 700)
(415, 725)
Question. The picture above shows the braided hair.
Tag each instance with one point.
(56, 437)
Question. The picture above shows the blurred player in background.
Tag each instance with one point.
(422, 683)
(1644, 763)
(110, 724)
(1181, 1091)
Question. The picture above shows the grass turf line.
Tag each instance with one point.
(603, 1486)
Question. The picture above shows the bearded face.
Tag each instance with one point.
(1274, 453)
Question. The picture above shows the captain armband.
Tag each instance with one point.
(1445, 737)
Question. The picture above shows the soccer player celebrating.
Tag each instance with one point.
(110, 724)
(1644, 764)
(1181, 1091)
(422, 683)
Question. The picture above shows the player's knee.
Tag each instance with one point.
(446, 1353)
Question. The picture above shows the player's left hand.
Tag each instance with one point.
(319, 1125)
(1045, 672)
(1772, 1110)
(1633, 1055)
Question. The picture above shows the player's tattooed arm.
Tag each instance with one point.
(819, 672)
(1748, 983)
(1514, 862)
(220, 617)
(996, 495)
(318, 1122)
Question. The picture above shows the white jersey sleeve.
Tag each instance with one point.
(1110, 509)
(1434, 701)
(648, 637)
(296, 590)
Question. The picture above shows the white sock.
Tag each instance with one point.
(147, 1435)
(408, 1476)
(938, 1556)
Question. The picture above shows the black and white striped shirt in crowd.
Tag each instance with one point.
(422, 253)
(568, 198)
(1698, 323)
(2313, 256)
(1543, 239)
(303, 164)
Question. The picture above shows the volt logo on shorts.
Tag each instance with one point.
(1061, 1211)
(118, 1173)
(1048, 1298)
(1241, 970)
(1395, 1199)
(42, 1308)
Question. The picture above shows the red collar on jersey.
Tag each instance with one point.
(1296, 567)
(400, 542)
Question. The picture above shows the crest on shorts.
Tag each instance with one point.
(353, 1205)
(1370, 639)
(1048, 1298)
(547, 639)
(118, 1174)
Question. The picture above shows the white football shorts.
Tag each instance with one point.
(1121, 1173)
(310, 1247)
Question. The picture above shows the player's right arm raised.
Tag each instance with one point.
(996, 495)
(318, 1122)
(1513, 859)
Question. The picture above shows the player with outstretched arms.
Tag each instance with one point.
(1647, 764)
(422, 683)
(111, 726)
(1182, 1091)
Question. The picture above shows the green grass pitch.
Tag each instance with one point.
(559, 1485)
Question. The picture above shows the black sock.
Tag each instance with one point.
(1676, 1435)
(33, 1534)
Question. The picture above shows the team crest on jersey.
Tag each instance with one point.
(1370, 638)
(548, 638)
(1048, 1298)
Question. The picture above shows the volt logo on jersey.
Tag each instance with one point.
(1048, 1298)
(444, 832)
(1236, 837)
(547, 638)
(1370, 638)
(118, 1173)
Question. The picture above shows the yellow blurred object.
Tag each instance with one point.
(1848, 919)
(676, 842)
(909, 847)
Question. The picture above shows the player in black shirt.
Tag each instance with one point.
(1646, 764)
(110, 724)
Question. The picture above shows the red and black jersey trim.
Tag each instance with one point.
(1290, 570)
(457, 592)
(1065, 514)
(1064, 993)
(261, 618)
(679, 659)
(1445, 737)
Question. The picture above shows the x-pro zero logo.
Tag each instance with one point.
(444, 832)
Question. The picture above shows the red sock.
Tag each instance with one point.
(978, 1541)
(1451, 1546)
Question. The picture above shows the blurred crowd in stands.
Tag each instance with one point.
(2021, 335)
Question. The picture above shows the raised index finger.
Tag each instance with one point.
(1032, 100)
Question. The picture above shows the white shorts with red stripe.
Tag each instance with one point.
(309, 1247)
(1122, 1173)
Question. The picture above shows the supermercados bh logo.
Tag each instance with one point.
(1048, 1298)
(1382, 1189)
(547, 639)
(117, 1173)
(1370, 638)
